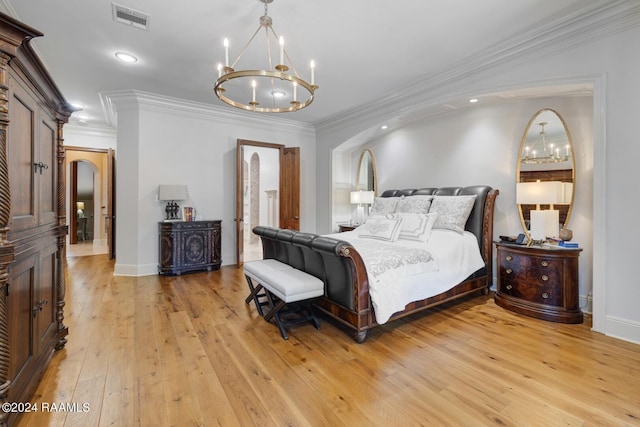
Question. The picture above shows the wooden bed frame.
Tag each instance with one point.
(340, 266)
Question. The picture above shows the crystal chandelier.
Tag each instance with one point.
(543, 151)
(270, 90)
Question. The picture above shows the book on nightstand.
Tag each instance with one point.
(572, 245)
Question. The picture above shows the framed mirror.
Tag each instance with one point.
(366, 179)
(546, 155)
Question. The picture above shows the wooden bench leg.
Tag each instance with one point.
(255, 295)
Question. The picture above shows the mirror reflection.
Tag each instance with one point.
(366, 180)
(546, 155)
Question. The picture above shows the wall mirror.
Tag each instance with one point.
(546, 154)
(366, 180)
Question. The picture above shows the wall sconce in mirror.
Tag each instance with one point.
(361, 198)
(172, 194)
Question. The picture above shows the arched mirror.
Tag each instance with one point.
(546, 156)
(366, 180)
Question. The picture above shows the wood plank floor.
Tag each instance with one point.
(187, 351)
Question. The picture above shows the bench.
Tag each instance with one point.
(285, 290)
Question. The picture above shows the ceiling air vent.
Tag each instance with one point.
(128, 16)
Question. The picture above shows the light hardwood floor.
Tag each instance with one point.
(187, 351)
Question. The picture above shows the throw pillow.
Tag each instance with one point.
(381, 228)
(453, 211)
(414, 204)
(417, 226)
(384, 205)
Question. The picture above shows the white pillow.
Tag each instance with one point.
(453, 211)
(417, 226)
(414, 204)
(381, 228)
(384, 205)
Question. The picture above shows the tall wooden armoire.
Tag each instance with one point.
(32, 215)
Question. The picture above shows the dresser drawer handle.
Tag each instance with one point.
(545, 295)
(509, 287)
(509, 271)
(545, 263)
(545, 277)
(509, 258)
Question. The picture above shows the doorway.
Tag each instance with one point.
(89, 200)
(268, 193)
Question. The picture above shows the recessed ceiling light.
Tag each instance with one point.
(126, 57)
(384, 127)
(278, 94)
(473, 100)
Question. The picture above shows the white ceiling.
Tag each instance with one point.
(365, 50)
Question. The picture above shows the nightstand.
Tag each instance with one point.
(537, 281)
(346, 227)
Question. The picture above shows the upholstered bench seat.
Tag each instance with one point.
(256, 270)
(283, 285)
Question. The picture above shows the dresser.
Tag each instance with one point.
(32, 216)
(189, 246)
(540, 282)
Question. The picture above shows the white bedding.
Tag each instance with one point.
(405, 271)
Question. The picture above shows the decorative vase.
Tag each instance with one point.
(566, 234)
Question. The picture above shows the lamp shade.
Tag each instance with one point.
(80, 205)
(362, 197)
(172, 192)
(540, 193)
(567, 193)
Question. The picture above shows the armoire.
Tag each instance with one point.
(32, 216)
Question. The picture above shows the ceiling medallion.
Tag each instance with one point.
(262, 90)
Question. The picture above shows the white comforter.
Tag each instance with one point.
(405, 271)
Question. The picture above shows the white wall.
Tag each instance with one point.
(480, 146)
(168, 141)
(605, 58)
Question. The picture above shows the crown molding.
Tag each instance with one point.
(134, 99)
(601, 19)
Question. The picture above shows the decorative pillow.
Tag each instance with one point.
(453, 211)
(384, 205)
(417, 226)
(414, 204)
(381, 228)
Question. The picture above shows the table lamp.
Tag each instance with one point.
(543, 223)
(361, 198)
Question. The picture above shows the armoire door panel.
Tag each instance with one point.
(19, 312)
(43, 301)
(45, 177)
(20, 149)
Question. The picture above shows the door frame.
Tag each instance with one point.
(110, 196)
(239, 218)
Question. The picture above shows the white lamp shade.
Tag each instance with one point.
(362, 197)
(567, 193)
(172, 192)
(80, 205)
(539, 193)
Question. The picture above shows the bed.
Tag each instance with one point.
(442, 238)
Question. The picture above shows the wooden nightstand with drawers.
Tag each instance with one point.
(539, 282)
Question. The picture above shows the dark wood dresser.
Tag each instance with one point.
(189, 246)
(539, 282)
(32, 216)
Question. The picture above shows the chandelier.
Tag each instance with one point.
(270, 90)
(543, 151)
